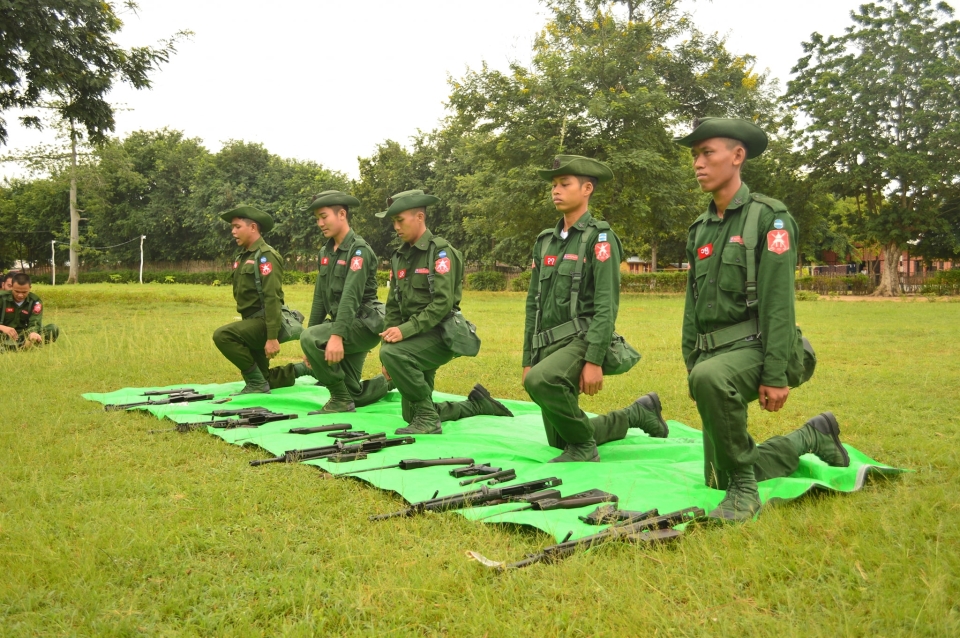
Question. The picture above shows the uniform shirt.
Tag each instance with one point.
(718, 267)
(25, 318)
(599, 287)
(270, 265)
(409, 304)
(346, 279)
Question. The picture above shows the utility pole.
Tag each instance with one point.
(74, 213)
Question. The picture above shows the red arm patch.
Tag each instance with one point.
(705, 251)
(550, 260)
(442, 265)
(602, 251)
(266, 268)
(37, 307)
(778, 241)
(356, 263)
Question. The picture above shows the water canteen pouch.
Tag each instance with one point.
(620, 357)
(460, 335)
(371, 315)
(803, 362)
(291, 321)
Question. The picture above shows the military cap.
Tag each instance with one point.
(264, 220)
(577, 165)
(331, 198)
(407, 200)
(745, 131)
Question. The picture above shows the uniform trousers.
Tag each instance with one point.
(357, 343)
(553, 383)
(242, 343)
(412, 365)
(723, 383)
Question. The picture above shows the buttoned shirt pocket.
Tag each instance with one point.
(420, 288)
(564, 279)
(733, 271)
(337, 278)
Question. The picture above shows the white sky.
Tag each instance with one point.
(327, 81)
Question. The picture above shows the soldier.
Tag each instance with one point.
(347, 318)
(740, 341)
(8, 280)
(563, 357)
(21, 316)
(250, 343)
(427, 284)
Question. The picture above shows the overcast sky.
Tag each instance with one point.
(327, 81)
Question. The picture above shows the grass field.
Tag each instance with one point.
(108, 531)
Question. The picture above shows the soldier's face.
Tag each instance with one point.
(7, 284)
(242, 231)
(716, 161)
(20, 292)
(408, 225)
(569, 194)
(329, 222)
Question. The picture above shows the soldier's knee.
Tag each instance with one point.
(533, 381)
(388, 354)
(220, 336)
(702, 381)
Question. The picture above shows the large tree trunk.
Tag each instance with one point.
(889, 278)
(653, 256)
(74, 213)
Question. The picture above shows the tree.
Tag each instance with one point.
(63, 50)
(883, 102)
(605, 87)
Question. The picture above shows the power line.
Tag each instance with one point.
(137, 238)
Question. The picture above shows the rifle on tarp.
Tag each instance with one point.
(655, 529)
(503, 476)
(337, 449)
(252, 421)
(414, 464)
(473, 470)
(473, 498)
(180, 395)
(333, 427)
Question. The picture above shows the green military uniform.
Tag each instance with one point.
(345, 304)
(242, 342)
(731, 349)
(426, 288)
(557, 347)
(25, 317)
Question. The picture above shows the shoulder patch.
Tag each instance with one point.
(602, 251)
(778, 224)
(442, 265)
(358, 253)
(266, 268)
(602, 237)
(356, 263)
(778, 241)
(37, 307)
(442, 253)
(263, 260)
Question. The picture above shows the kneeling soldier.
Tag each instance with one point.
(250, 343)
(571, 312)
(427, 285)
(21, 321)
(346, 319)
(740, 341)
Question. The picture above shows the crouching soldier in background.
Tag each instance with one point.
(347, 318)
(250, 343)
(21, 316)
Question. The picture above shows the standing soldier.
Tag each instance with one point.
(346, 319)
(21, 316)
(424, 300)
(250, 343)
(571, 312)
(740, 341)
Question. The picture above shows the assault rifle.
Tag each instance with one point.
(333, 427)
(337, 449)
(473, 470)
(252, 421)
(183, 395)
(414, 464)
(608, 514)
(494, 478)
(656, 529)
(473, 498)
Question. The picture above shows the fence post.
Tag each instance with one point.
(142, 237)
(53, 262)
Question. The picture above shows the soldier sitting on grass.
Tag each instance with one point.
(21, 316)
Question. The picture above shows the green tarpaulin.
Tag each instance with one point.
(644, 473)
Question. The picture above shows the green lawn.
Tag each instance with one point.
(106, 530)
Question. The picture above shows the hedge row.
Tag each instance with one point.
(945, 282)
(848, 285)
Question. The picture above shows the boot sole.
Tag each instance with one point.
(834, 432)
(485, 394)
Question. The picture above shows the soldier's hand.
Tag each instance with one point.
(386, 375)
(272, 348)
(523, 379)
(591, 379)
(392, 335)
(334, 349)
(36, 338)
(10, 332)
(772, 399)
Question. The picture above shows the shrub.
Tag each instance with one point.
(807, 295)
(383, 276)
(846, 285)
(945, 282)
(671, 281)
(487, 280)
(521, 283)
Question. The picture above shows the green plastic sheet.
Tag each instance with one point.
(644, 473)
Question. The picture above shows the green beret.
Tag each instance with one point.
(407, 200)
(249, 212)
(331, 198)
(744, 131)
(577, 165)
